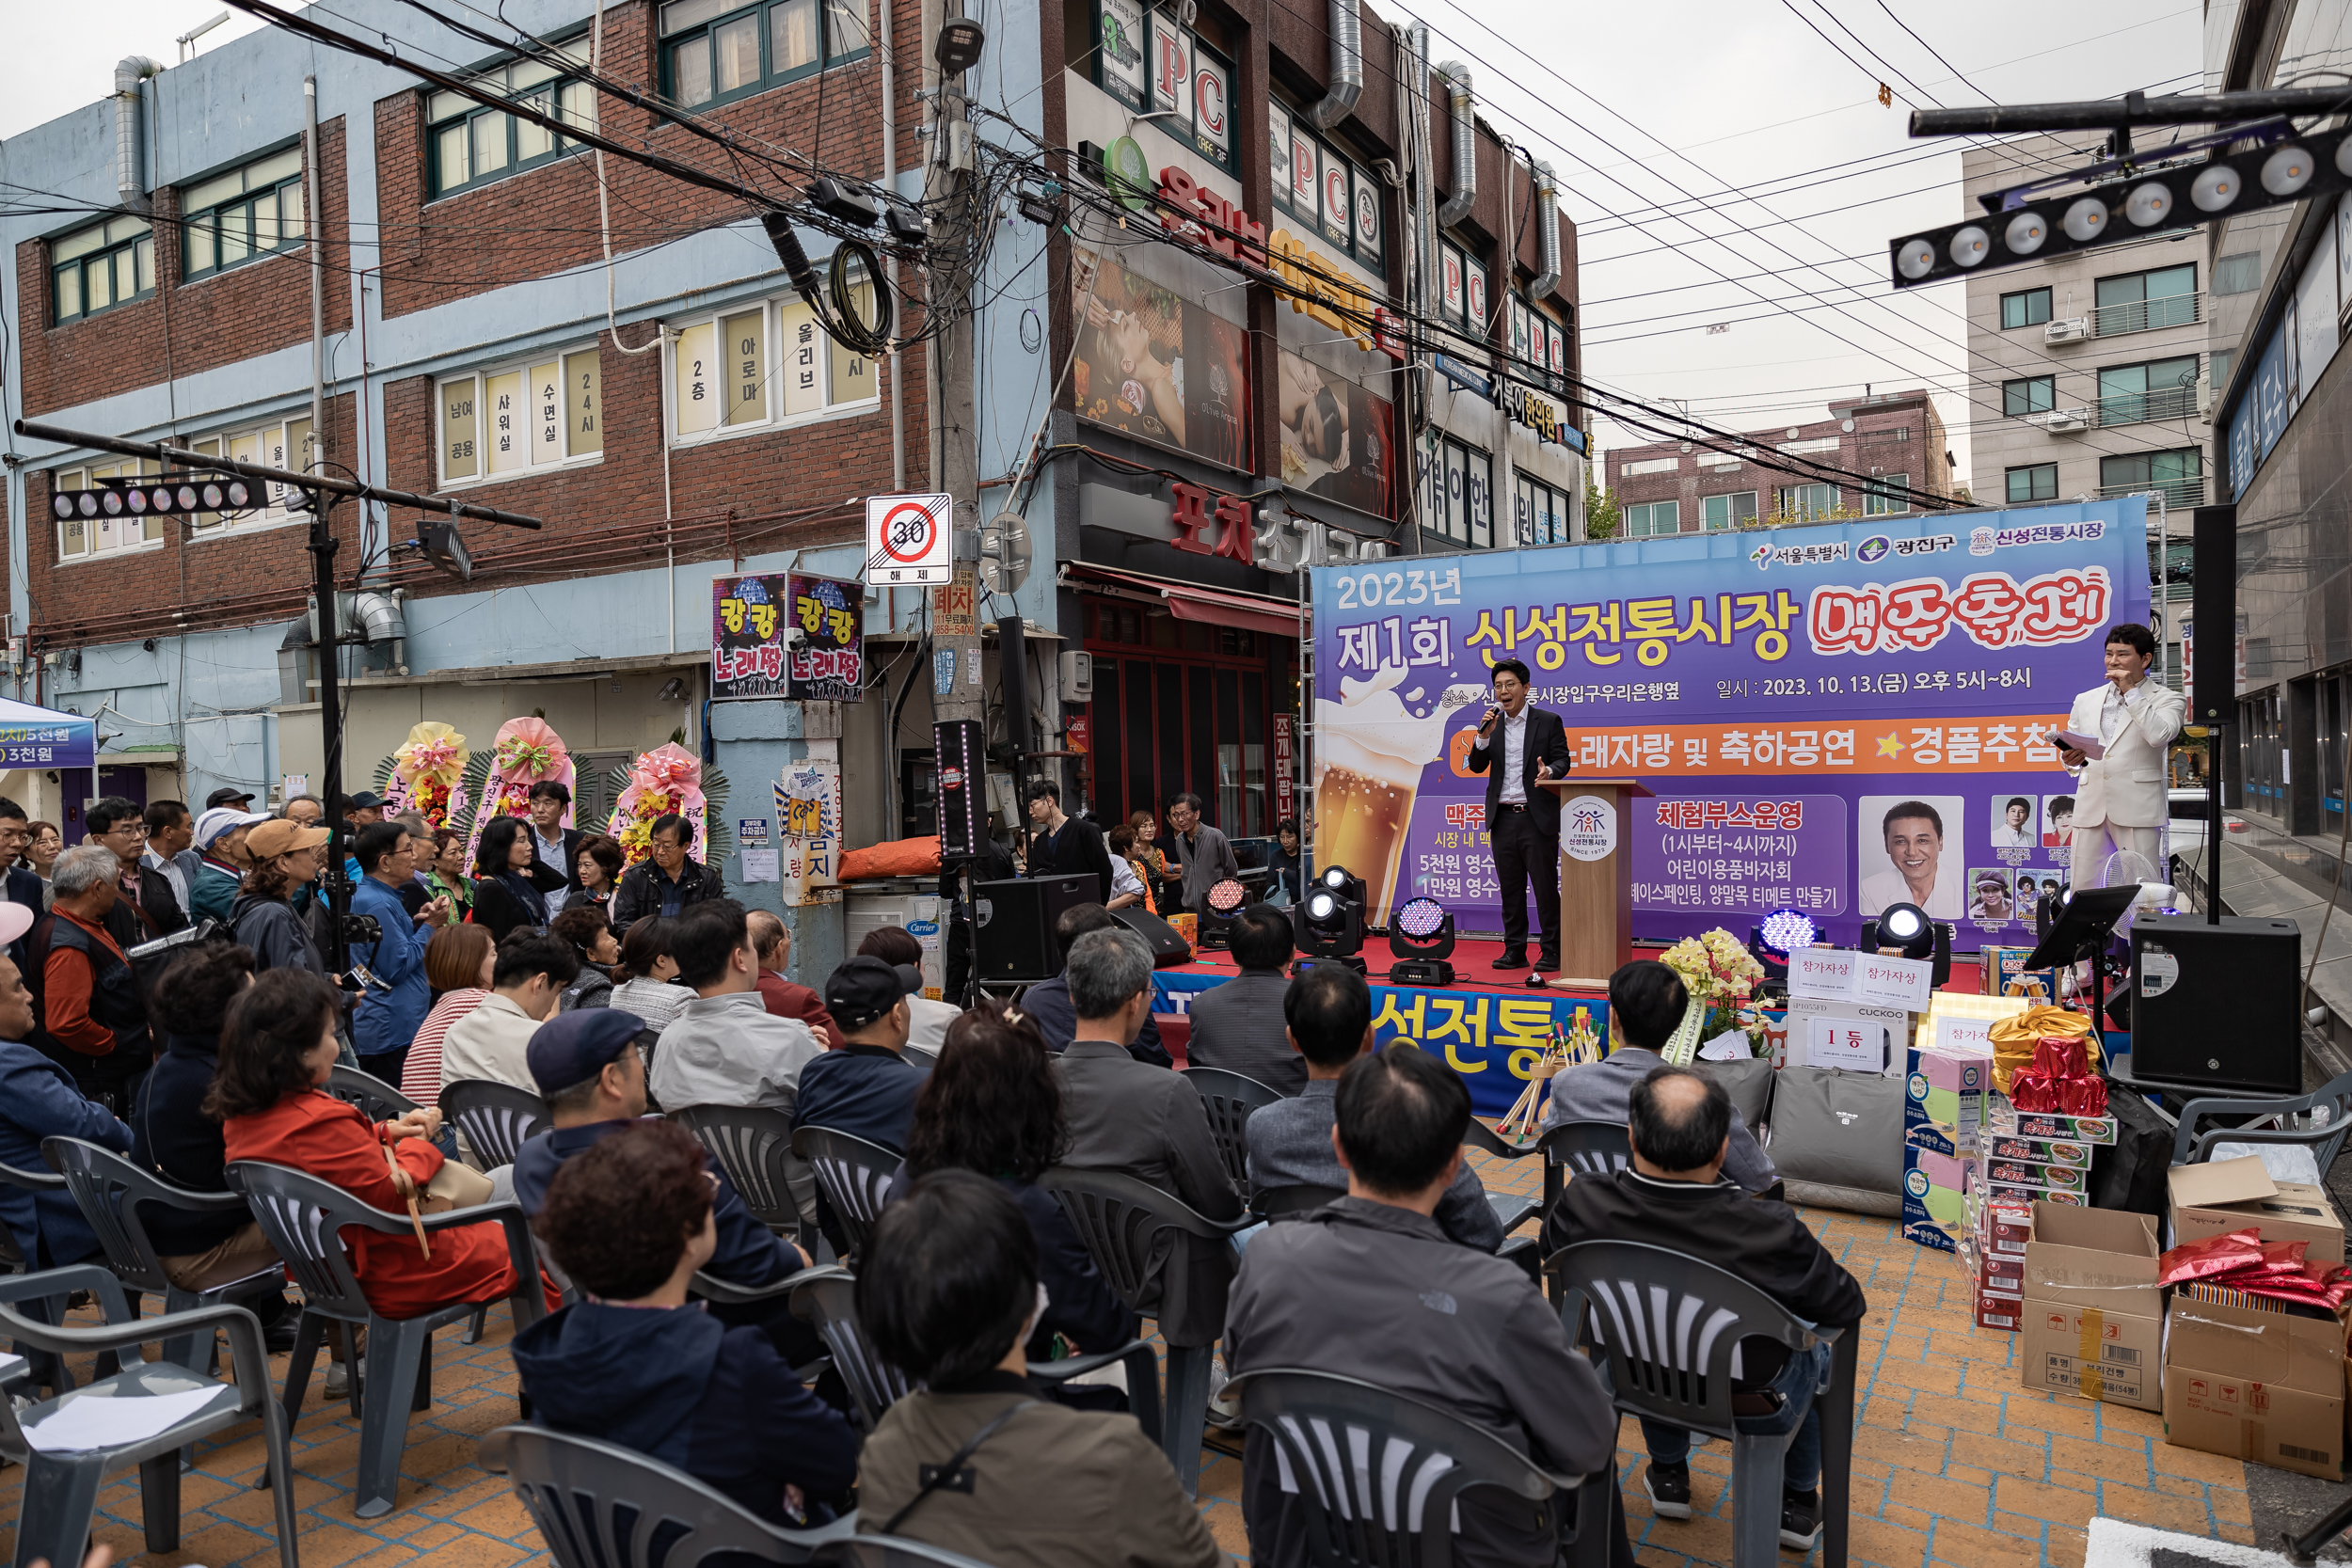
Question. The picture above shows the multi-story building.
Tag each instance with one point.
(2087, 369)
(1182, 415)
(1893, 441)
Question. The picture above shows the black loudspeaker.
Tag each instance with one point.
(1169, 945)
(959, 746)
(1014, 920)
(1013, 681)
(2213, 675)
(2217, 1004)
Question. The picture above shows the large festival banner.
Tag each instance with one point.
(1835, 718)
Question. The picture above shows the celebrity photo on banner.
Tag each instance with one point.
(1833, 718)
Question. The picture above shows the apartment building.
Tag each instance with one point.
(2090, 369)
(1894, 440)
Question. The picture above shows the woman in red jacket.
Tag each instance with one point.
(277, 1048)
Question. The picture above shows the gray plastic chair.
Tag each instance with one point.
(378, 1099)
(54, 1375)
(753, 1144)
(1343, 1437)
(1288, 1203)
(493, 1118)
(1668, 1325)
(1119, 1217)
(599, 1505)
(826, 1299)
(1229, 1098)
(109, 1190)
(61, 1489)
(1512, 1210)
(2193, 1141)
(304, 1218)
(854, 1175)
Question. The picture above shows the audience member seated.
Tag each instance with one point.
(646, 982)
(459, 964)
(588, 1068)
(1329, 1010)
(184, 1144)
(493, 1040)
(783, 995)
(278, 1049)
(1127, 1117)
(1674, 1195)
(1421, 1318)
(40, 1099)
(1646, 1001)
(1048, 1002)
(725, 1048)
(599, 950)
(994, 1105)
(868, 1088)
(1238, 1025)
(929, 1020)
(949, 1293)
(629, 1220)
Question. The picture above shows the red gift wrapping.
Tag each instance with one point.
(2059, 1080)
(2210, 1257)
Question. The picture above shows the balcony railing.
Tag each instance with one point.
(2164, 402)
(2144, 315)
(2177, 493)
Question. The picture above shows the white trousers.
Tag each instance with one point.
(2092, 846)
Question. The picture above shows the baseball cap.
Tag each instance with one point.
(277, 836)
(571, 1048)
(368, 800)
(218, 821)
(229, 797)
(15, 920)
(866, 987)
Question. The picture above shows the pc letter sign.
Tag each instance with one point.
(907, 541)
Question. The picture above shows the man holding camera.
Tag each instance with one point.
(1518, 747)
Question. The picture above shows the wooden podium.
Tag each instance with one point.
(1596, 882)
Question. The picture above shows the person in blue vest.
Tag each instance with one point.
(391, 1011)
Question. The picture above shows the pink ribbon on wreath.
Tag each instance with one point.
(668, 768)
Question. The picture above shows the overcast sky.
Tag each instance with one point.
(1716, 110)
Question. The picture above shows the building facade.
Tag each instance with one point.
(1894, 441)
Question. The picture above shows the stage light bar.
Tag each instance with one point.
(162, 497)
(2269, 174)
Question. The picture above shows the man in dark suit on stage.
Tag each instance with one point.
(1063, 843)
(1518, 747)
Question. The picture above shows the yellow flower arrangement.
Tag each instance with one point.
(1722, 975)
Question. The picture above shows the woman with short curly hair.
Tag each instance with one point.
(632, 1362)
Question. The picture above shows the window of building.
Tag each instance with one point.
(1651, 466)
(1463, 511)
(85, 538)
(764, 364)
(2142, 301)
(1885, 495)
(472, 145)
(2241, 274)
(242, 215)
(716, 50)
(1805, 502)
(1718, 512)
(2036, 483)
(2035, 394)
(2030, 308)
(278, 444)
(100, 267)
(1543, 513)
(2178, 475)
(507, 421)
(1647, 520)
(2158, 390)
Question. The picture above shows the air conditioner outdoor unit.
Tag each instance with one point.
(2071, 331)
(2061, 421)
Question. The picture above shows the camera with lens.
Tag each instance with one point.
(362, 928)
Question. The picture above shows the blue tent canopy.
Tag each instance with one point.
(34, 736)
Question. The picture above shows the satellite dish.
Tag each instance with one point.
(1847, 427)
(1005, 553)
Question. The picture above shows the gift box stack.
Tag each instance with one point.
(1943, 1110)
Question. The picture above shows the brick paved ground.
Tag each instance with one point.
(1955, 1463)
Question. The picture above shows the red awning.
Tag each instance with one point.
(1216, 607)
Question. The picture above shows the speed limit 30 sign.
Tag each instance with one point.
(907, 541)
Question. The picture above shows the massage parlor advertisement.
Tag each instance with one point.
(1833, 718)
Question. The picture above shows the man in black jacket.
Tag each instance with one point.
(553, 844)
(1518, 747)
(669, 882)
(1059, 843)
(153, 909)
(1674, 1196)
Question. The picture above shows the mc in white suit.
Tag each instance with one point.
(2120, 800)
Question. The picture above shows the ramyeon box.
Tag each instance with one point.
(2048, 1152)
(2003, 1120)
(2028, 1173)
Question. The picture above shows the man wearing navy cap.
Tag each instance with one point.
(866, 1087)
(587, 1067)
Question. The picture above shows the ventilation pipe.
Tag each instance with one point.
(130, 165)
(1548, 215)
(1347, 66)
(1465, 182)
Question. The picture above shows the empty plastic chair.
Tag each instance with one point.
(1229, 1098)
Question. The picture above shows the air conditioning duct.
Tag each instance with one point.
(1347, 66)
(130, 147)
(1548, 216)
(1465, 182)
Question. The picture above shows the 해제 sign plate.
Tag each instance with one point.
(907, 541)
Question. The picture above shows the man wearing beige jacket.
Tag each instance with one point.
(2120, 803)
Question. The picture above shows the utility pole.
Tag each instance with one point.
(955, 459)
(327, 624)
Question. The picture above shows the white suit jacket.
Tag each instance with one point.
(2125, 789)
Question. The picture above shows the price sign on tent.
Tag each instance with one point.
(907, 541)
